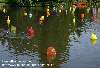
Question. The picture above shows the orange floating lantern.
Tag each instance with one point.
(51, 53)
(30, 32)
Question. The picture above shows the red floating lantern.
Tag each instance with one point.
(30, 32)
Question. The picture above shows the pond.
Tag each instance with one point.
(64, 30)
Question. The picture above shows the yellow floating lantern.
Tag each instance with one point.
(93, 36)
(41, 19)
(70, 8)
(4, 10)
(25, 13)
(8, 21)
(48, 6)
(74, 21)
(13, 29)
(48, 10)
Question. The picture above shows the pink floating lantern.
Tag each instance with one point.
(94, 11)
(94, 18)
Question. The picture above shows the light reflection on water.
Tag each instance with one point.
(72, 42)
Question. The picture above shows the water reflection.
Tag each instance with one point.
(93, 42)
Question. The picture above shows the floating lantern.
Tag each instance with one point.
(54, 8)
(48, 6)
(30, 15)
(82, 15)
(93, 36)
(13, 29)
(8, 21)
(62, 7)
(88, 10)
(74, 20)
(41, 20)
(51, 54)
(48, 12)
(60, 11)
(66, 12)
(30, 32)
(4, 10)
(70, 8)
(25, 13)
(94, 11)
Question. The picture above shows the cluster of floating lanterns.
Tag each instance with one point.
(30, 33)
(51, 51)
(30, 14)
(93, 36)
